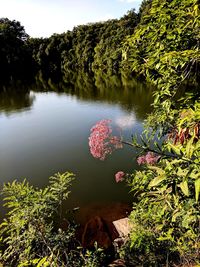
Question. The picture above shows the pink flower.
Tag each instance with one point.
(119, 176)
(101, 140)
(141, 160)
(149, 158)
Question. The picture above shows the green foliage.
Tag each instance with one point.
(14, 52)
(161, 44)
(93, 258)
(32, 235)
(95, 46)
(144, 8)
(166, 214)
(108, 52)
(165, 50)
(31, 230)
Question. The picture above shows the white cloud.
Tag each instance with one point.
(126, 121)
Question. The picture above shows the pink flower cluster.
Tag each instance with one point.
(119, 176)
(101, 140)
(149, 158)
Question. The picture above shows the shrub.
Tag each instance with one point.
(31, 234)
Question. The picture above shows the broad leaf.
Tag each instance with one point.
(197, 189)
(156, 181)
(184, 187)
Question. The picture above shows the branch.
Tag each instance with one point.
(156, 152)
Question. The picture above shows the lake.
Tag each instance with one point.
(44, 129)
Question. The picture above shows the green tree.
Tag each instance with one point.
(108, 52)
(14, 53)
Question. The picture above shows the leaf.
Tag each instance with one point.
(182, 172)
(189, 148)
(175, 215)
(42, 262)
(194, 175)
(174, 149)
(35, 261)
(184, 187)
(157, 180)
(197, 189)
(160, 171)
(23, 264)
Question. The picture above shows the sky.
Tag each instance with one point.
(42, 18)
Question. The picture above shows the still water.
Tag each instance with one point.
(44, 130)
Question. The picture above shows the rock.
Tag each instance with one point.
(112, 231)
(103, 224)
(123, 228)
(96, 230)
(117, 263)
(105, 233)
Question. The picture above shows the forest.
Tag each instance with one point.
(159, 44)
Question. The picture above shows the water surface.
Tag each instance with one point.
(44, 131)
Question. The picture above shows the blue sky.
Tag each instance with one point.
(42, 18)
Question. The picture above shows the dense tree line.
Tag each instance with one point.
(87, 48)
(15, 54)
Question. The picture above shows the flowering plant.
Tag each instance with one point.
(101, 140)
(167, 189)
(102, 143)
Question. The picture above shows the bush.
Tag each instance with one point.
(31, 235)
